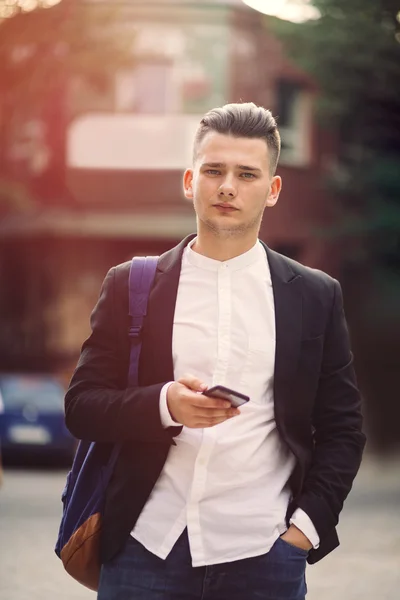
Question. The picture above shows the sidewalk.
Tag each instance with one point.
(365, 567)
(367, 564)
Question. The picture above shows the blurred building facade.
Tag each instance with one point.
(108, 173)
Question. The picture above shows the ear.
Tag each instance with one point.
(275, 190)
(187, 184)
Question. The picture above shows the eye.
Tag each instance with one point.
(248, 175)
(213, 172)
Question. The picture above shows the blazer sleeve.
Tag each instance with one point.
(337, 422)
(98, 405)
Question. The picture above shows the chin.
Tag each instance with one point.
(224, 230)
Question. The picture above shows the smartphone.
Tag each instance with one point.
(220, 391)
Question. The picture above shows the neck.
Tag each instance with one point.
(223, 249)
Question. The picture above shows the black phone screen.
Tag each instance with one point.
(220, 391)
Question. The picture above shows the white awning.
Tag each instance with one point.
(126, 141)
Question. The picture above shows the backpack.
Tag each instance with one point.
(83, 497)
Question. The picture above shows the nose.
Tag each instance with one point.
(227, 190)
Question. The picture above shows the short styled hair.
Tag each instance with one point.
(242, 120)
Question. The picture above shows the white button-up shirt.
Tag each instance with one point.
(228, 483)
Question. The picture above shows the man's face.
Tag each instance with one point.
(231, 184)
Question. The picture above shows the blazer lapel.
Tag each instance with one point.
(157, 334)
(287, 290)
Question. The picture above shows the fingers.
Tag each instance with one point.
(215, 414)
(209, 422)
(201, 401)
(209, 418)
(193, 383)
(187, 405)
(196, 385)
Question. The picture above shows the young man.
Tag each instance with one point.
(208, 502)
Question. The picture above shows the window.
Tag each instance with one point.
(146, 89)
(294, 122)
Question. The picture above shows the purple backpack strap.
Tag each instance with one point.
(84, 494)
(141, 277)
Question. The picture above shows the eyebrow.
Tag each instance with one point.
(222, 165)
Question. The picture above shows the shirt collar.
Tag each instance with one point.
(252, 256)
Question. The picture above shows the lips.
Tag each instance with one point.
(225, 206)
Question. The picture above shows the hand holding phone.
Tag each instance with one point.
(188, 406)
(220, 391)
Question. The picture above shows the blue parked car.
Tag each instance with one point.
(32, 418)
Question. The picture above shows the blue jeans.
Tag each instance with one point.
(137, 574)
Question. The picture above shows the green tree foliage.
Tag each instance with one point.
(353, 52)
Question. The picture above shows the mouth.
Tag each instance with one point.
(225, 207)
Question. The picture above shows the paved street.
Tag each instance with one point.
(365, 567)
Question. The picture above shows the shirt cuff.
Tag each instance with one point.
(166, 419)
(304, 523)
